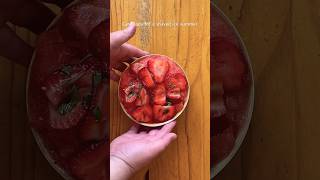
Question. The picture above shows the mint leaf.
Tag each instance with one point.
(66, 70)
(68, 105)
(87, 100)
(97, 113)
(96, 78)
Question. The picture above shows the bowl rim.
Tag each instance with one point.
(215, 170)
(162, 123)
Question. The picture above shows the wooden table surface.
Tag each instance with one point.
(20, 157)
(282, 38)
(188, 44)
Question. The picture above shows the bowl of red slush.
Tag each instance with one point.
(67, 92)
(232, 91)
(153, 90)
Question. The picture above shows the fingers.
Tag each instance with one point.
(153, 132)
(132, 51)
(120, 37)
(168, 138)
(134, 129)
(14, 48)
(126, 52)
(166, 129)
(114, 76)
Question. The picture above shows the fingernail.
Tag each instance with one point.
(132, 23)
(131, 27)
(174, 137)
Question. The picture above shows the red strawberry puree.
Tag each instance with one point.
(230, 88)
(68, 89)
(153, 89)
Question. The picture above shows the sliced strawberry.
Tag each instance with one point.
(85, 164)
(86, 80)
(93, 75)
(64, 142)
(94, 126)
(222, 144)
(143, 114)
(183, 94)
(229, 66)
(179, 107)
(174, 93)
(98, 173)
(100, 97)
(59, 120)
(98, 40)
(92, 129)
(143, 98)
(159, 68)
(136, 67)
(131, 92)
(51, 36)
(176, 81)
(58, 84)
(146, 78)
(79, 19)
(218, 107)
(159, 95)
(217, 88)
(163, 113)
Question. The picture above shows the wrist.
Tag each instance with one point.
(119, 169)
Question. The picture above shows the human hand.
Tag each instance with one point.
(121, 51)
(136, 149)
(30, 14)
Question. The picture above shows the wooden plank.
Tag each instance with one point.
(270, 151)
(188, 157)
(305, 27)
(19, 152)
(6, 73)
(283, 41)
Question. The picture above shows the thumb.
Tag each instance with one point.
(120, 37)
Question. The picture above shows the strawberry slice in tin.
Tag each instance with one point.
(153, 90)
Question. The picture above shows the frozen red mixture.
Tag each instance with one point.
(230, 88)
(68, 90)
(153, 89)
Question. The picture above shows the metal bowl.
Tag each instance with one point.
(250, 103)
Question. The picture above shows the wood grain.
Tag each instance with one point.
(188, 157)
(282, 38)
(20, 158)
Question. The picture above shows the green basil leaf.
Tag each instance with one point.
(68, 105)
(66, 70)
(96, 78)
(97, 113)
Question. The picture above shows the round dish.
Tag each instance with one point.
(43, 140)
(149, 90)
(225, 28)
